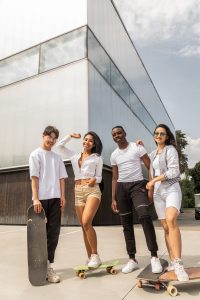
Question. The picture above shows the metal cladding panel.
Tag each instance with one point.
(105, 23)
(106, 110)
(24, 24)
(58, 97)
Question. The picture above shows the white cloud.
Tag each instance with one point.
(193, 151)
(190, 51)
(150, 22)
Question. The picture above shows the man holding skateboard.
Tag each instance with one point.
(48, 173)
(128, 193)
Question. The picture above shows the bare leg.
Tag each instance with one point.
(174, 232)
(166, 231)
(92, 204)
(79, 213)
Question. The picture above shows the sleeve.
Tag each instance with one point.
(99, 168)
(151, 164)
(141, 150)
(62, 170)
(113, 160)
(62, 150)
(34, 166)
(172, 164)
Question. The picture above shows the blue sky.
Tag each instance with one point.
(166, 34)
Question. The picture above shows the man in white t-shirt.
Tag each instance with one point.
(129, 193)
(48, 173)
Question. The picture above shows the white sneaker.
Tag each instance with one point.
(94, 261)
(156, 265)
(52, 276)
(130, 266)
(179, 270)
(170, 266)
(87, 261)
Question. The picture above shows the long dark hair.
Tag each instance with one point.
(171, 139)
(98, 147)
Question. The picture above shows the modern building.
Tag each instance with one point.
(79, 72)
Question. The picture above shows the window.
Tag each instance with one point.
(19, 66)
(63, 50)
(98, 56)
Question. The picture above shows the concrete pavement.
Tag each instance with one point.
(98, 285)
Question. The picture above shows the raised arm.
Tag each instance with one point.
(61, 148)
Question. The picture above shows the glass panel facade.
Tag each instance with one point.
(136, 106)
(105, 24)
(27, 108)
(98, 56)
(101, 60)
(119, 84)
(54, 53)
(19, 66)
(63, 50)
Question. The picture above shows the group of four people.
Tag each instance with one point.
(129, 192)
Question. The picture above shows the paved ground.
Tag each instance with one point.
(98, 285)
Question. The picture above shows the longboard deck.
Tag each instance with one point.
(81, 270)
(193, 273)
(36, 247)
(147, 274)
(164, 279)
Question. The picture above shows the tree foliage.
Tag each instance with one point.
(181, 141)
(195, 174)
(187, 187)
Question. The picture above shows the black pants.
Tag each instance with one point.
(53, 215)
(133, 196)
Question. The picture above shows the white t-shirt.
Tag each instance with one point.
(156, 165)
(49, 168)
(128, 162)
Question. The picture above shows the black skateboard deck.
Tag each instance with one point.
(36, 247)
(147, 278)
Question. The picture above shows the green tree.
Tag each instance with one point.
(195, 174)
(187, 187)
(181, 141)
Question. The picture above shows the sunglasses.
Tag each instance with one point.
(160, 133)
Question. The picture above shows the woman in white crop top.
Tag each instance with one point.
(87, 166)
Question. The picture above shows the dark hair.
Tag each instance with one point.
(171, 139)
(51, 129)
(98, 147)
(119, 126)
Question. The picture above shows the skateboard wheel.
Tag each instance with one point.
(157, 286)
(139, 284)
(113, 271)
(82, 275)
(172, 290)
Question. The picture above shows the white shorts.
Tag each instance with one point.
(167, 196)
